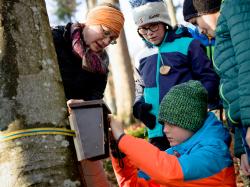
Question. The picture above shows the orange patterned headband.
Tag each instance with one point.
(106, 16)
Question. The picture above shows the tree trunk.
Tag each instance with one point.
(122, 76)
(31, 96)
(110, 95)
(91, 3)
(171, 12)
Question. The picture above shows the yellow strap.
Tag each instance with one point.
(35, 131)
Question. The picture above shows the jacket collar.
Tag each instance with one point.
(212, 129)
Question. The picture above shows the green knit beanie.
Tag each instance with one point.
(185, 105)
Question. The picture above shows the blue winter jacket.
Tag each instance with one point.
(188, 61)
(208, 43)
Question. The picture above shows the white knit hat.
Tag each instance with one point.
(150, 12)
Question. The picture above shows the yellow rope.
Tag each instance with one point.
(35, 131)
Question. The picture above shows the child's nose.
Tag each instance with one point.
(149, 32)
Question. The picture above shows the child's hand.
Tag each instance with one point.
(244, 165)
(116, 127)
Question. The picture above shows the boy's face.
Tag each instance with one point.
(176, 135)
(206, 24)
(153, 32)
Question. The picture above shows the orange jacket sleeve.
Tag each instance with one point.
(160, 166)
(127, 176)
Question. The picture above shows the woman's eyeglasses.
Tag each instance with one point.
(107, 34)
(152, 27)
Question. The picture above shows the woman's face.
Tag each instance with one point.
(153, 32)
(97, 37)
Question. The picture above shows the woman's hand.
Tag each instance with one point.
(116, 127)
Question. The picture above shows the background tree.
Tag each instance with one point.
(123, 80)
(91, 3)
(65, 9)
(31, 96)
(172, 12)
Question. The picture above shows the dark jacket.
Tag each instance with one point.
(232, 59)
(78, 83)
(232, 63)
(209, 44)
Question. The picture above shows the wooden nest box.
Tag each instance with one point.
(90, 122)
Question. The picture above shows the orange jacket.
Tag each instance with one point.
(164, 169)
(203, 160)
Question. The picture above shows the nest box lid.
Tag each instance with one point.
(91, 104)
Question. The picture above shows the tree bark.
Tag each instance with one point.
(122, 76)
(91, 3)
(110, 94)
(171, 12)
(31, 96)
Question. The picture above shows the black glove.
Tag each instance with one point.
(116, 153)
(141, 112)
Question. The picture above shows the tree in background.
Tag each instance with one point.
(65, 9)
(91, 3)
(171, 12)
(31, 96)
